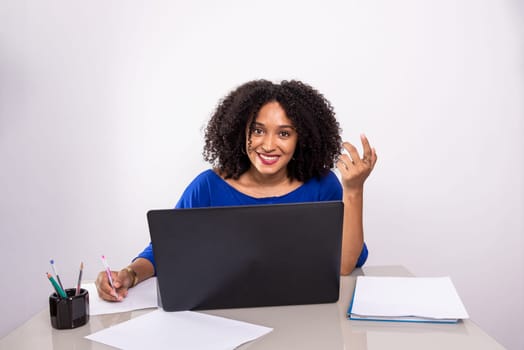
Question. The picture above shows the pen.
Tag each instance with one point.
(79, 278)
(56, 274)
(108, 272)
(58, 289)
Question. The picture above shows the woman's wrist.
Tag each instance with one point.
(133, 276)
(353, 194)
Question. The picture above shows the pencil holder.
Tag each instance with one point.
(70, 312)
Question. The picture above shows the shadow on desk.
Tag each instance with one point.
(74, 338)
(307, 327)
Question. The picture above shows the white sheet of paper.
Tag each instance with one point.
(142, 296)
(161, 330)
(427, 297)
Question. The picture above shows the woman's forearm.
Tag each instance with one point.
(352, 230)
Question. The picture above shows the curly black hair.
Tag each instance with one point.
(319, 142)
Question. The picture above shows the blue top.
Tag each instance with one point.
(210, 190)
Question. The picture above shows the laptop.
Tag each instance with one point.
(247, 256)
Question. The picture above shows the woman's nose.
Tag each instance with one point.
(268, 144)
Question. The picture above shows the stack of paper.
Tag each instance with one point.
(408, 299)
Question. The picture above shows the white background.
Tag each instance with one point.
(102, 105)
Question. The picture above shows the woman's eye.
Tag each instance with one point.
(285, 133)
(258, 131)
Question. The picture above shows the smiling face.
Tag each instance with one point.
(271, 141)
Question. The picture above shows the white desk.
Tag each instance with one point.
(322, 326)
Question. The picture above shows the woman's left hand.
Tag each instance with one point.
(355, 170)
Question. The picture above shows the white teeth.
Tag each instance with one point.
(268, 157)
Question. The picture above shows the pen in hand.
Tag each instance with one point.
(108, 272)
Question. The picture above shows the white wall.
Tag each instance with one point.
(102, 104)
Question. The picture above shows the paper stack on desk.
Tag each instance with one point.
(406, 299)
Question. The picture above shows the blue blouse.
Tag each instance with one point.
(210, 190)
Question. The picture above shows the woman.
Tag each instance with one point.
(271, 143)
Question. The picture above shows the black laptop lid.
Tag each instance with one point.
(247, 256)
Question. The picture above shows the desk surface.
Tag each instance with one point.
(321, 326)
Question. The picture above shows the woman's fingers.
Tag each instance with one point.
(353, 168)
(366, 147)
(352, 151)
(105, 291)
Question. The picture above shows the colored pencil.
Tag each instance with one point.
(79, 279)
(59, 290)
